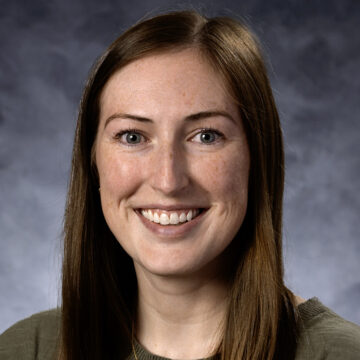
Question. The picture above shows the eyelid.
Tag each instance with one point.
(120, 133)
(218, 133)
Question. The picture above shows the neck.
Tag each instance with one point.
(180, 317)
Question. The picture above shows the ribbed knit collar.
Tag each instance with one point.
(143, 354)
(311, 308)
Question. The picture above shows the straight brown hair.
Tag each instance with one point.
(99, 288)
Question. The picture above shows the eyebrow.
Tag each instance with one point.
(193, 117)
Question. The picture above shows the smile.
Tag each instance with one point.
(163, 217)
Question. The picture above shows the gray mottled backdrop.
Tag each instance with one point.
(46, 50)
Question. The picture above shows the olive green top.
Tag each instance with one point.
(325, 336)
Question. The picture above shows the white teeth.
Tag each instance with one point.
(189, 215)
(164, 219)
(173, 219)
(144, 213)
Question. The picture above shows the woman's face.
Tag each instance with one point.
(173, 163)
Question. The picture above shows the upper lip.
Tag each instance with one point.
(170, 207)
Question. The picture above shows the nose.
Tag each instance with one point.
(169, 170)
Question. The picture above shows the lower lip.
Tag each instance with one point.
(171, 231)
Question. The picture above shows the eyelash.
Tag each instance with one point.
(218, 134)
(126, 131)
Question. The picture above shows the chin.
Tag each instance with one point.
(174, 268)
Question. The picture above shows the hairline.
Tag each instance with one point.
(202, 51)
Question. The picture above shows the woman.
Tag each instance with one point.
(173, 218)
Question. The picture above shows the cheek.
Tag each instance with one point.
(225, 175)
(119, 176)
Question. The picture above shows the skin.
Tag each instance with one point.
(182, 291)
(171, 166)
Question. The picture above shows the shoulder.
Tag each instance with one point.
(326, 335)
(33, 338)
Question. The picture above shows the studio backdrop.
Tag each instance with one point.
(313, 57)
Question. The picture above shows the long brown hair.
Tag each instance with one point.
(99, 286)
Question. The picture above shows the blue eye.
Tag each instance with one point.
(129, 137)
(207, 136)
(132, 138)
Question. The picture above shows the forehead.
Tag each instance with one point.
(171, 79)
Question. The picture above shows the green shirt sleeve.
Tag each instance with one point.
(325, 335)
(33, 338)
